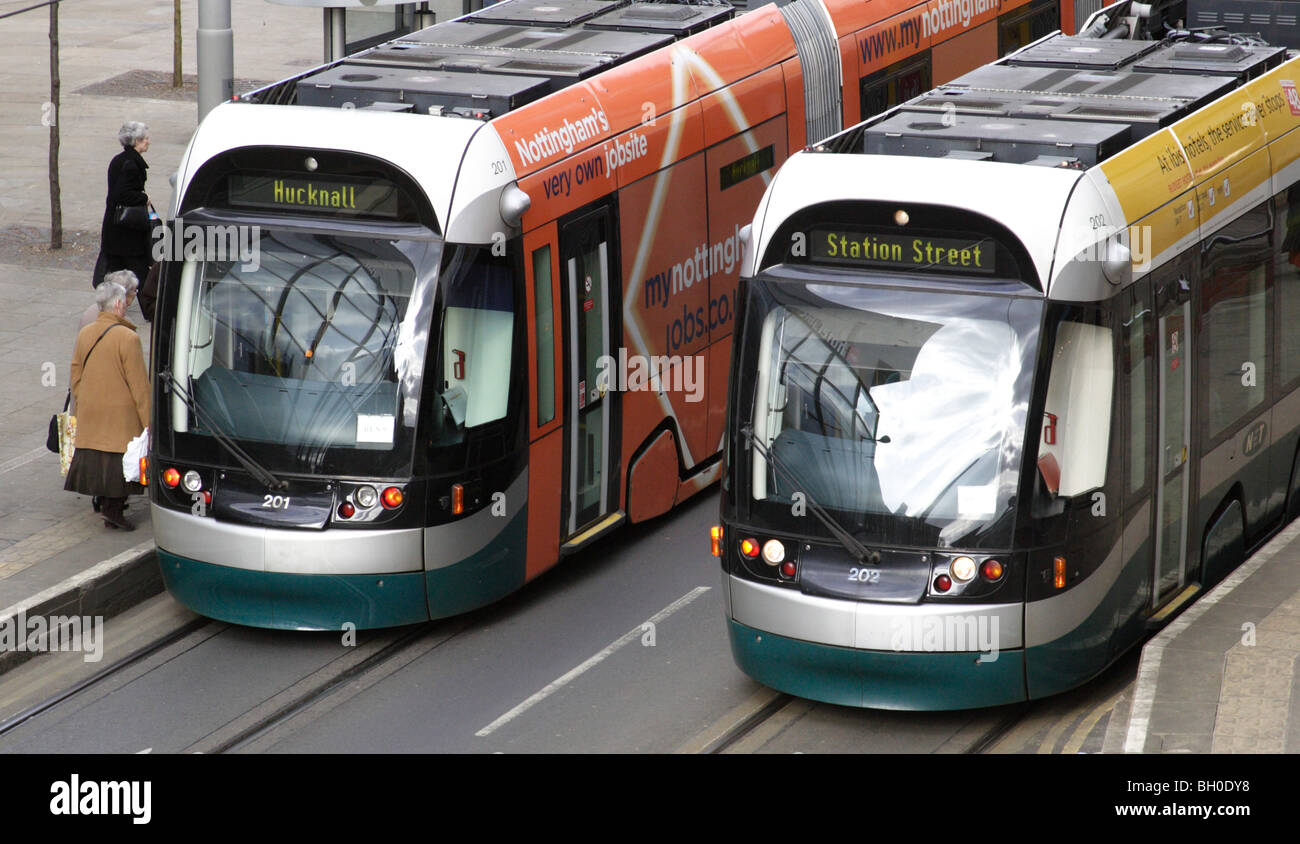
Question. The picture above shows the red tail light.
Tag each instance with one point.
(392, 498)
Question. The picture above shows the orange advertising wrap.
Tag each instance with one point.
(677, 147)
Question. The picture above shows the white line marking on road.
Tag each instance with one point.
(1144, 690)
(23, 459)
(628, 637)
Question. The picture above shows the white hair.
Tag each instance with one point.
(108, 294)
(126, 278)
(131, 132)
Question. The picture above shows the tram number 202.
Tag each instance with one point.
(864, 575)
(276, 502)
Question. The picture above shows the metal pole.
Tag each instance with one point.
(177, 79)
(335, 34)
(56, 205)
(216, 52)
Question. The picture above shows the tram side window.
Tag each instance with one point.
(545, 335)
(1075, 439)
(895, 84)
(1137, 329)
(1027, 25)
(1286, 276)
(477, 336)
(1234, 321)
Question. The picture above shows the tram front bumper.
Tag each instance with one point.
(291, 579)
(884, 656)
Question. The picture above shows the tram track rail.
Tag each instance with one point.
(136, 657)
(769, 713)
(357, 667)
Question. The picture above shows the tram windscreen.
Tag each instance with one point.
(899, 411)
(313, 353)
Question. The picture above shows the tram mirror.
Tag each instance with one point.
(1118, 266)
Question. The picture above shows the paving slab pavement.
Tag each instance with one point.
(53, 548)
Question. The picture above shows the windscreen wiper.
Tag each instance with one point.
(259, 473)
(850, 543)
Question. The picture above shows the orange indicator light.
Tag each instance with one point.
(171, 477)
(144, 471)
(749, 547)
(392, 498)
(1058, 572)
(715, 540)
(457, 499)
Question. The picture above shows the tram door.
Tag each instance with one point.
(587, 267)
(1174, 392)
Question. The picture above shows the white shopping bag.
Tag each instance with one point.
(135, 450)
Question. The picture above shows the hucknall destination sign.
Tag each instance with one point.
(333, 195)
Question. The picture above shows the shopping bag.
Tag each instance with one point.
(67, 424)
(135, 450)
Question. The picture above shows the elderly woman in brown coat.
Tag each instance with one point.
(111, 388)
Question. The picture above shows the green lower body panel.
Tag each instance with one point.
(483, 577)
(295, 601)
(878, 679)
(327, 602)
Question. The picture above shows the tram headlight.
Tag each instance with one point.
(366, 497)
(773, 552)
(192, 482)
(962, 569)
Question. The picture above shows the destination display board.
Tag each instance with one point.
(910, 251)
(332, 195)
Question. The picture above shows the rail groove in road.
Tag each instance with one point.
(36, 710)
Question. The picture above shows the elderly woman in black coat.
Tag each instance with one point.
(122, 247)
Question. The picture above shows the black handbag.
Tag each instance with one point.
(133, 217)
(52, 438)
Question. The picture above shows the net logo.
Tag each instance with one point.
(1292, 97)
(127, 797)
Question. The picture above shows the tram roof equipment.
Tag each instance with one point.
(1040, 106)
(496, 60)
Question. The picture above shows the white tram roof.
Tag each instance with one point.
(1074, 144)
(422, 148)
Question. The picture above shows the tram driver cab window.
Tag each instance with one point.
(477, 340)
(1075, 435)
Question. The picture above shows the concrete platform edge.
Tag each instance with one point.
(1144, 689)
(105, 589)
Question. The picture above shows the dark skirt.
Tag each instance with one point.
(99, 473)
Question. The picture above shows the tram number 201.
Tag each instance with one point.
(276, 502)
(864, 575)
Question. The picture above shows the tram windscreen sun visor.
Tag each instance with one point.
(901, 411)
(311, 356)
